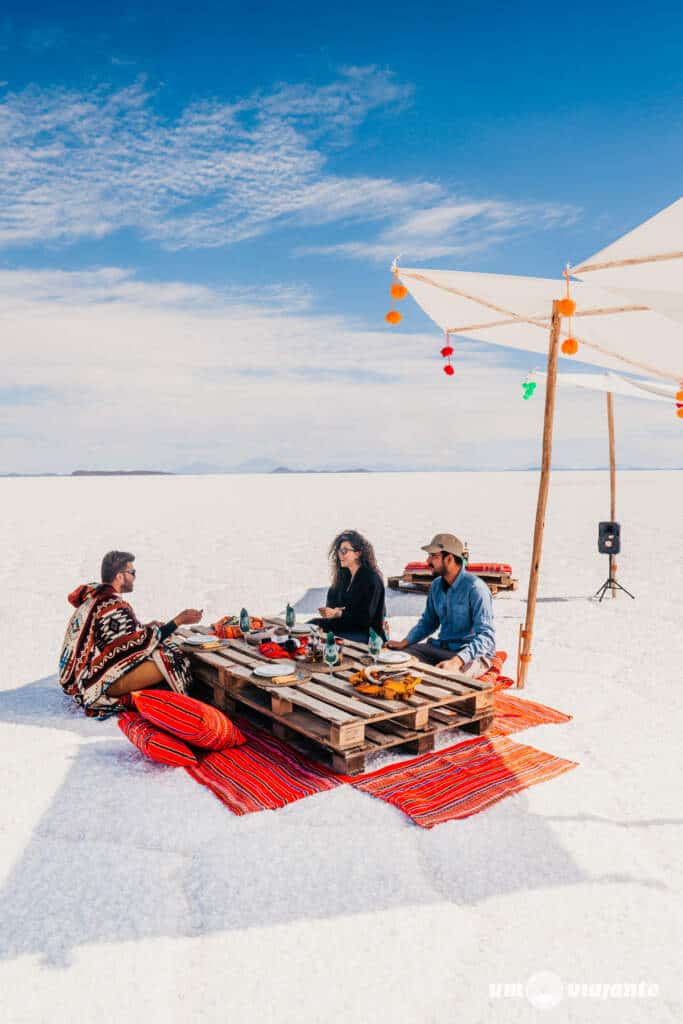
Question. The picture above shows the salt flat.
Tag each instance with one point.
(130, 893)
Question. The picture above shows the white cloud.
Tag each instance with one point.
(76, 165)
(32, 290)
(452, 227)
(168, 375)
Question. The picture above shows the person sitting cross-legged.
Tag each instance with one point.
(461, 604)
(108, 653)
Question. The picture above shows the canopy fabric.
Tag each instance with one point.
(646, 264)
(615, 384)
(613, 333)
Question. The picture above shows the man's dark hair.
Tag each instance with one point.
(113, 562)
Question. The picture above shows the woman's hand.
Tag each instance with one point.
(330, 613)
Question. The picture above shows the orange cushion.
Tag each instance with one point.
(193, 721)
(154, 743)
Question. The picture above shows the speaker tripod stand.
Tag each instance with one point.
(611, 583)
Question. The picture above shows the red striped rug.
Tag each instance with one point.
(265, 773)
(262, 774)
(512, 714)
(461, 781)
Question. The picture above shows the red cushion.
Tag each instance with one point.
(497, 662)
(413, 566)
(154, 743)
(490, 568)
(192, 720)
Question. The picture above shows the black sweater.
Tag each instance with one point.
(362, 598)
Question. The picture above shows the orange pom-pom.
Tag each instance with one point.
(393, 317)
(679, 412)
(679, 396)
(566, 307)
(398, 291)
(570, 346)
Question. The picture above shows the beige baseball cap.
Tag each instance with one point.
(444, 542)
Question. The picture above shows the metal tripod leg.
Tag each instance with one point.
(611, 584)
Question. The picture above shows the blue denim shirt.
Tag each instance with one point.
(465, 612)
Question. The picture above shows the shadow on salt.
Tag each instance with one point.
(129, 850)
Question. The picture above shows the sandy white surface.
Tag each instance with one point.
(129, 893)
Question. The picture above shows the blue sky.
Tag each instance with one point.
(199, 204)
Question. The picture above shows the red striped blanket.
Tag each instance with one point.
(512, 714)
(261, 775)
(265, 773)
(462, 781)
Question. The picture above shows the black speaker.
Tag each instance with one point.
(609, 538)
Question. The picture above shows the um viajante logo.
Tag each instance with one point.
(545, 990)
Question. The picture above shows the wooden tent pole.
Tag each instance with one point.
(526, 631)
(612, 481)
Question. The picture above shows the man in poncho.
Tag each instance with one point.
(108, 653)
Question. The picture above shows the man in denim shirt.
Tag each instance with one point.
(461, 604)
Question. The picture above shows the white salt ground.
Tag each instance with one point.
(130, 894)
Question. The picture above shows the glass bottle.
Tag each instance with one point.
(290, 617)
(330, 654)
(245, 622)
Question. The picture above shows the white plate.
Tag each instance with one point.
(199, 638)
(299, 628)
(393, 657)
(275, 668)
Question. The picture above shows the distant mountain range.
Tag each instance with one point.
(203, 469)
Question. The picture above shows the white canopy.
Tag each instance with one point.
(615, 384)
(645, 265)
(613, 332)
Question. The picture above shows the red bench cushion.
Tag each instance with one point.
(154, 743)
(191, 720)
(490, 567)
(483, 567)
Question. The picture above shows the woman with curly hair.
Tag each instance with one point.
(355, 601)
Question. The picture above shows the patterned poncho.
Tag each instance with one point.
(103, 641)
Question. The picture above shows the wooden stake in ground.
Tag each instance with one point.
(612, 483)
(526, 631)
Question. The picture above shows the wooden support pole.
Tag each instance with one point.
(526, 631)
(612, 482)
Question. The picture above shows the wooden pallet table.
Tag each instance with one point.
(337, 724)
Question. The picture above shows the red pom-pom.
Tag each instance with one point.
(449, 369)
(447, 350)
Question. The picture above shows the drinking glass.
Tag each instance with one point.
(375, 645)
